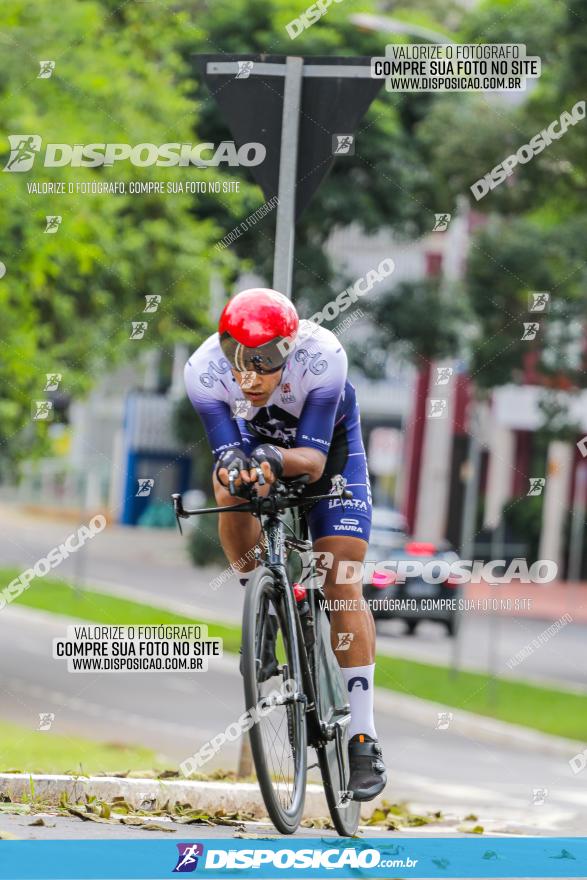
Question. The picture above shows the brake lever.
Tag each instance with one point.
(260, 476)
(177, 509)
(232, 475)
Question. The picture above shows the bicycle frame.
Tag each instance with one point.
(268, 508)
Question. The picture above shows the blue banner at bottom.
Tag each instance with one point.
(395, 857)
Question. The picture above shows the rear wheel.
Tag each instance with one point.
(278, 734)
(333, 756)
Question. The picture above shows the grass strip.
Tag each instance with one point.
(561, 713)
(43, 751)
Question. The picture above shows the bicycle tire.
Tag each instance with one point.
(261, 589)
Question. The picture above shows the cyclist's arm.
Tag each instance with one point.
(316, 425)
(313, 435)
(303, 460)
(221, 429)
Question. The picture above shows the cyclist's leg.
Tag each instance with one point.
(343, 528)
(353, 641)
(343, 589)
(239, 535)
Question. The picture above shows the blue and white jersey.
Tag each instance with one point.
(313, 401)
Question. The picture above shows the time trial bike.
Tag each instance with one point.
(293, 686)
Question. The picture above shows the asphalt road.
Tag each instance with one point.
(152, 564)
(174, 713)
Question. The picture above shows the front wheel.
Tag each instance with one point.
(275, 705)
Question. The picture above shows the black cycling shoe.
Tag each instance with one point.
(269, 664)
(367, 770)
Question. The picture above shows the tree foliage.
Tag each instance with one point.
(535, 222)
(68, 298)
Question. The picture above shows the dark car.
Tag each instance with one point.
(410, 580)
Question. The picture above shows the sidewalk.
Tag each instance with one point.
(540, 601)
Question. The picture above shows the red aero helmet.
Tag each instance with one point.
(256, 329)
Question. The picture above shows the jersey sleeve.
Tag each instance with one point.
(323, 398)
(221, 429)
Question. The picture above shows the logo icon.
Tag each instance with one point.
(152, 302)
(536, 486)
(530, 331)
(443, 375)
(53, 223)
(245, 68)
(338, 484)
(46, 719)
(343, 144)
(187, 859)
(53, 380)
(145, 487)
(437, 408)
(358, 679)
(241, 408)
(47, 68)
(441, 222)
(344, 799)
(539, 796)
(538, 302)
(42, 410)
(444, 719)
(138, 329)
(23, 149)
(344, 641)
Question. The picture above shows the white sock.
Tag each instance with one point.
(359, 685)
(243, 580)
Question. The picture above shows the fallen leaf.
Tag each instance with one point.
(246, 836)
(476, 829)
(196, 819)
(320, 822)
(137, 822)
(119, 805)
(15, 808)
(88, 817)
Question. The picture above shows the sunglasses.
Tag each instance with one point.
(264, 360)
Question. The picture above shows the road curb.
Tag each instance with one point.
(474, 726)
(151, 794)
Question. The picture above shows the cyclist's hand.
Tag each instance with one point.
(233, 459)
(269, 459)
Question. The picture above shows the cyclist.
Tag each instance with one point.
(273, 394)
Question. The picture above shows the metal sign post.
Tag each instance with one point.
(296, 124)
(288, 165)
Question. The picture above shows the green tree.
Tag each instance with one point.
(533, 234)
(68, 298)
